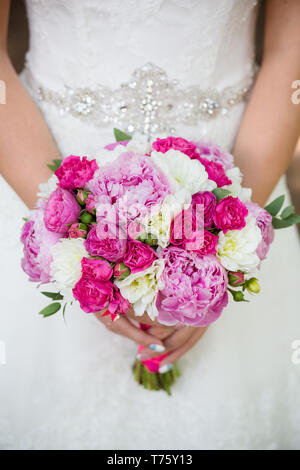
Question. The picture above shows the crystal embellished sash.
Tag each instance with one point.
(149, 103)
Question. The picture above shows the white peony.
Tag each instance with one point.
(182, 172)
(66, 265)
(236, 189)
(141, 289)
(47, 188)
(236, 249)
(158, 224)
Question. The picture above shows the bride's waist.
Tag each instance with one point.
(149, 101)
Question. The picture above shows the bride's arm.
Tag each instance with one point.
(271, 124)
(26, 144)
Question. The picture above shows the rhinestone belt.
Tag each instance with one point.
(149, 103)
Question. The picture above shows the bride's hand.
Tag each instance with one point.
(180, 341)
(124, 327)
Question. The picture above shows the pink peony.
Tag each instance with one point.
(138, 256)
(103, 240)
(230, 214)
(37, 241)
(195, 288)
(97, 269)
(175, 143)
(214, 153)
(93, 295)
(207, 202)
(132, 184)
(61, 210)
(75, 172)
(264, 222)
(215, 171)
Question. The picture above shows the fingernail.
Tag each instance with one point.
(165, 368)
(142, 357)
(157, 347)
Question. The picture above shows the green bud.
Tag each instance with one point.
(81, 196)
(252, 286)
(86, 218)
(238, 295)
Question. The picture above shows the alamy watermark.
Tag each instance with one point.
(296, 94)
(295, 357)
(2, 92)
(2, 353)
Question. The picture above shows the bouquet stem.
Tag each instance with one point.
(155, 380)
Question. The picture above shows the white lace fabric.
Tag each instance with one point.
(71, 386)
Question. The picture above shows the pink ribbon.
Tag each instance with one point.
(151, 363)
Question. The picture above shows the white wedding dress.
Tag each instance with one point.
(70, 386)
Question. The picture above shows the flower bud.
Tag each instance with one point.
(81, 196)
(150, 241)
(238, 295)
(86, 218)
(253, 286)
(121, 271)
(236, 278)
(78, 231)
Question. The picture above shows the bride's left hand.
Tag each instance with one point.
(177, 343)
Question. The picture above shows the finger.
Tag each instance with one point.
(140, 319)
(177, 353)
(178, 338)
(160, 331)
(124, 327)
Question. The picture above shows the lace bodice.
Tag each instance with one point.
(207, 42)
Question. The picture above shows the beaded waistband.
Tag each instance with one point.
(148, 103)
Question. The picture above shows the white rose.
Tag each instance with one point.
(47, 188)
(66, 265)
(141, 289)
(182, 172)
(236, 249)
(236, 189)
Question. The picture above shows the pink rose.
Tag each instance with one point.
(75, 172)
(93, 295)
(186, 225)
(61, 210)
(206, 202)
(175, 143)
(214, 153)
(77, 231)
(97, 269)
(104, 240)
(195, 288)
(203, 243)
(264, 222)
(215, 171)
(138, 256)
(90, 203)
(118, 305)
(37, 241)
(230, 214)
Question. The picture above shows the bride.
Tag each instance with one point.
(70, 386)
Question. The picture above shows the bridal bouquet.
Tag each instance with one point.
(164, 228)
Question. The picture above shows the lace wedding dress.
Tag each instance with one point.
(70, 385)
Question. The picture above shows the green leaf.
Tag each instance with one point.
(220, 193)
(289, 210)
(120, 136)
(55, 166)
(50, 309)
(288, 222)
(53, 295)
(274, 207)
(25, 219)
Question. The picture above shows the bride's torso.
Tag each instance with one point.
(207, 42)
(201, 55)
